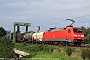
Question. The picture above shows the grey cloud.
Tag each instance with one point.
(44, 12)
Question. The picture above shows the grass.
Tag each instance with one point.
(51, 56)
(47, 52)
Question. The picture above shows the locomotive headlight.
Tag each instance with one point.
(82, 35)
(75, 35)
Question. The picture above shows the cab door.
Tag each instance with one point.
(69, 35)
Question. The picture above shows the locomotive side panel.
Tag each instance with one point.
(60, 35)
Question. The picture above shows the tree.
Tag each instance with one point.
(84, 30)
(2, 32)
(87, 38)
(6, 48)
(87, 34)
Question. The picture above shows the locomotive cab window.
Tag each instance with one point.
(77, 30)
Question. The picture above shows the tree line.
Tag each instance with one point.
(6, 47)
(87, 34)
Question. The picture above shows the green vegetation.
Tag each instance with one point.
(69, 51)
(34, 49)
(6, 47)
(52, 56)
(85, 53)
(2, 32)
(50, 52)
(45, 52)
(87, 34)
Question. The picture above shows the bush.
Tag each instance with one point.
(88, 53)
(85, 53)
(6, 48)
(69, 51)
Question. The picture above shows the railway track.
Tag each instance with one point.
(86, 45)
(59, 45)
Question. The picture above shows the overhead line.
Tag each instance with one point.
(82, 16)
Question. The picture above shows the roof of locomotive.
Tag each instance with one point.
(56, 29)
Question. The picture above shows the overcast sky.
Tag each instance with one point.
(44, 13)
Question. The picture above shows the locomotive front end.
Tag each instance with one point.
(78, 36)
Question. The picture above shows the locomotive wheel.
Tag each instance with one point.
(40, 42)
(64, 43)
(52, 43)
(69, 44)
(79, 43)
(75, 44)
(34, 41)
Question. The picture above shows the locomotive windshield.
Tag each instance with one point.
(77, 30)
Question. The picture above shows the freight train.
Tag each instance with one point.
(66, 36)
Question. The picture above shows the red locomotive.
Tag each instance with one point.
(66, 36)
